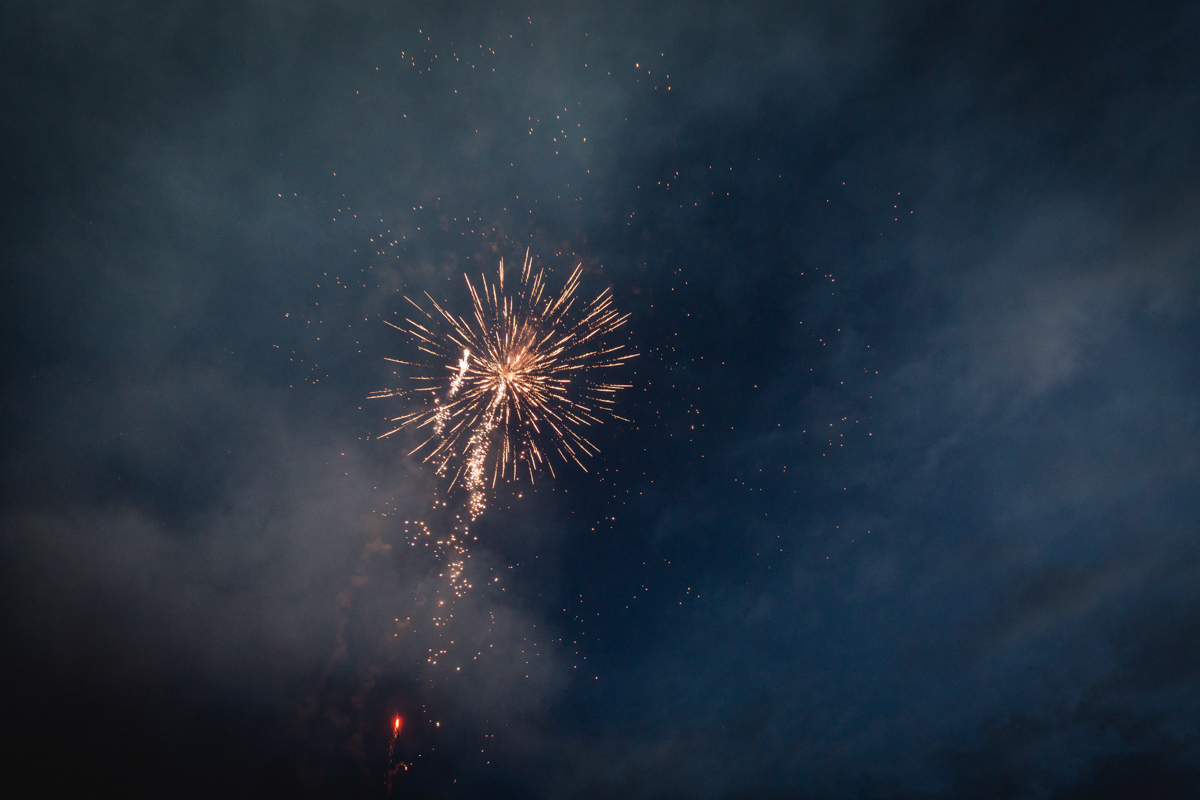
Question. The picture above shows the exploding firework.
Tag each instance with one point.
(515, 385)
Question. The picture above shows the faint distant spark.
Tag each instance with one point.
(513, 385)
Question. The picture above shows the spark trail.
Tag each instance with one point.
(394, 766)
(510, 389)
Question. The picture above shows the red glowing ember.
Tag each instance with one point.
(396, 725)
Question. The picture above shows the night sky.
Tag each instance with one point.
(906, 503)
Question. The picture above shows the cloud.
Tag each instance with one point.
(205, 548)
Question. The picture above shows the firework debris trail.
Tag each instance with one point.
(507, 389)
(394, 766)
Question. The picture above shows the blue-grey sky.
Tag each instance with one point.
(905, 503)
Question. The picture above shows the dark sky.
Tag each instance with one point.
(906, 505)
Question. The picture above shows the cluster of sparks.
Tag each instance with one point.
(513, 385)
(449, 550)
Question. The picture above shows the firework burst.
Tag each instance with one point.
(516, 385)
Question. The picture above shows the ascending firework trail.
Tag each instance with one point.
(394, 766)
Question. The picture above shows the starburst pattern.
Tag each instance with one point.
(514, 386)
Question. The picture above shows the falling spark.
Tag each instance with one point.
(513, 386)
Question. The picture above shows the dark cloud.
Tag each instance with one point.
(905, 506)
